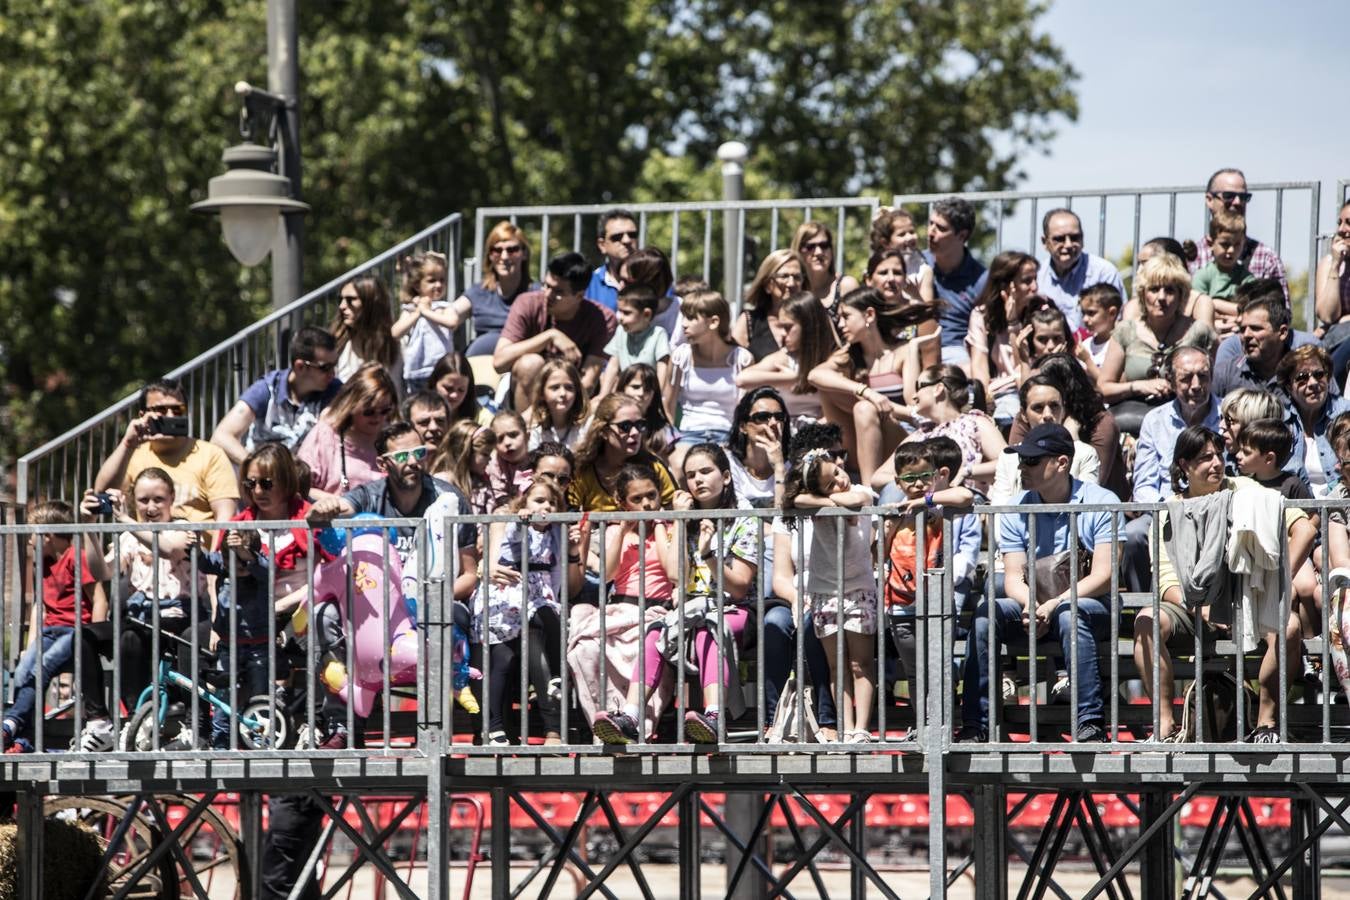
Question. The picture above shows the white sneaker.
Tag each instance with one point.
(97, 737)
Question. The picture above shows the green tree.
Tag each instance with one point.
(113, 116)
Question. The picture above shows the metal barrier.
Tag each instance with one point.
(1024, 209)
(762, 226)
(582, 658)
(64, 466)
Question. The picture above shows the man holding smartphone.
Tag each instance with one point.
(205, 486)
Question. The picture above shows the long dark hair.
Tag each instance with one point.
(719, 458)
(456, 363)
(818, 341)
(891, 319)
(1002, 272)
(658, 426)
(738, 441)
(1190, 444)
(1082, 401)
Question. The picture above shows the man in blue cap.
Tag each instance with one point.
(1046, 454)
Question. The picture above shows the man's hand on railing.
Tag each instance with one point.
(324, 511)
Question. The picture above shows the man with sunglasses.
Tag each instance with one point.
(1227, 189)
(616, 239)
(1072, 270)
(405, 492)
(284, 404)
(205, 486)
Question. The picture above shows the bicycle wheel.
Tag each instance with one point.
(175, 731)
(103, 814)
(258, 731)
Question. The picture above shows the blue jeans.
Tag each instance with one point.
(252, 682)
(778, 655)
(1093, 624)
(58, 649)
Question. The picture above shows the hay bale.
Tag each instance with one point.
(70, 860)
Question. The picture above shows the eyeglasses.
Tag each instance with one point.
(629, 426)
(167, 409)
(321, 366)
(816, 247)
(377, 412)
(560, 480)
(400, 457)
(620, 235)
(764, 416)
(506, 249)
(1027, 462)
(1306, 376)
(914, 477)
(1230, 196)
(252, 484)
(1075, 237)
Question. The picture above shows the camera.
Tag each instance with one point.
(105, 505)
(169, 426)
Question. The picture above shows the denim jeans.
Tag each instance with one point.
(778, 655)
(1093, 624)
(58, 649)
(252, 682)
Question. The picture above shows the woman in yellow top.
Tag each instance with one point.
(1198, 471)
(614, 440)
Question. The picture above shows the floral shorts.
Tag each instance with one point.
(860, 612)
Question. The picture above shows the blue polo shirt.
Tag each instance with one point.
(604, 288)
(278, 417)
(958, 290)
(1052, 529)
(1089, 270)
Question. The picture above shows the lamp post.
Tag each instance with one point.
(733, 155)
(259, 208)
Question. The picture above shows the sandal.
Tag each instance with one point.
(858, 736)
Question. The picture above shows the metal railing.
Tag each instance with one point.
(603, 640)
(1001, 211)
(64, 466)
(697, 246)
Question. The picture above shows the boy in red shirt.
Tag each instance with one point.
(55, 640)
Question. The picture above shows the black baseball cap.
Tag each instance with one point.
(1048, 439)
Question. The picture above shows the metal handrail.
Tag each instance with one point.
(245, 355)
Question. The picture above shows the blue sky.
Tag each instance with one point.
(1170, 91)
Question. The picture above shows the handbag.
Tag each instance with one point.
(788, 727)
(1054, 575)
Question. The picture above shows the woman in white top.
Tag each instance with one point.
(760, 433)
(808, 336)
(702, 392)
(363, 328)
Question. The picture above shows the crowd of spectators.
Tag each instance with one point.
(924, 382)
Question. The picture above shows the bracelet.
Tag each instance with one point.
(862, 389)
(575, 560)
(707, 555)
(928, 499)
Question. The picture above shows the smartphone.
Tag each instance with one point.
(171, 426)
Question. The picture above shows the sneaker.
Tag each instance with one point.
(555, 689)
(617, 727)
(700, 728)
(1091, 733)
(1059, 691)
(1009, 689)
(6, 736)
(1266, 734)
(972, 734)
(19, 745)
(498, 739)
(96, 737)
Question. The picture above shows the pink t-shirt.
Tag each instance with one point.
(322, 449)
(1002, 359)
(628, 572)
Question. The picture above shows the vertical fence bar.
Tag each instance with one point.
(603, 598)
(1327, 606)
(884, 621)
(543, 246)
(723, 680)
(564, 676)
(1154, 533)
(759, 585)
(682, 542)
(707, 246)
(311, 653)
(841, 702)
(675, 245)
(1115, 609)
(642, 634)
(40, 706)
(387, 698)
(839, 244)
(77, 685)
(1134, 244)
(233, 718)
(1032, 637)
(1314, 218)
(194, 643)
(1101, 226)
(485, 643)
(994, 718)
(349, 602)
(1075, 670)
(155, 687)
(523, 657)
(797, 533)
(1279, 221)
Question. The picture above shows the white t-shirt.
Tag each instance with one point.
(756, 492)
(708, 394)
(822, 564)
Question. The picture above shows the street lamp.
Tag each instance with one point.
(251, 199)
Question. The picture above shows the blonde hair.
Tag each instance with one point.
(453, 458)
(708, 303)
(1162, 270)
(1225, 221)
(1246, 405)
(539, 413)
(414, 268)
(757, 295)
(504, 231)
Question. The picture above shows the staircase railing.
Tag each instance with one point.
(64, 466)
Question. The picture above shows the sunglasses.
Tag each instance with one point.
(1075, 237)
(763, 417)
(167, 409)
(251, 484)
(926, 384)
(506, 250)
(559, 480)
(322, 367)
(348, 299)
(399, 457)
(1028, 462)
(1306, 376)
(816, 247)
(1230, 196)
(375, 412)
(620, 235)
(915, 477)
(625, 427)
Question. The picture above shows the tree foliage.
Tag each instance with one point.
(113, 114)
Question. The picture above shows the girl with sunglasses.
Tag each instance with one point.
(340, 448)
(615, 439)
(760, 433)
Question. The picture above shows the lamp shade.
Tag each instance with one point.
(250, 198)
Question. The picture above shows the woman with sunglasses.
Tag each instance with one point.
(506, 264)
(759, 328)
(760, 432)
(814, 244)
(1131, 379)
(340, 448)
(615, 439)
(1305, 375)
(363, 329)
